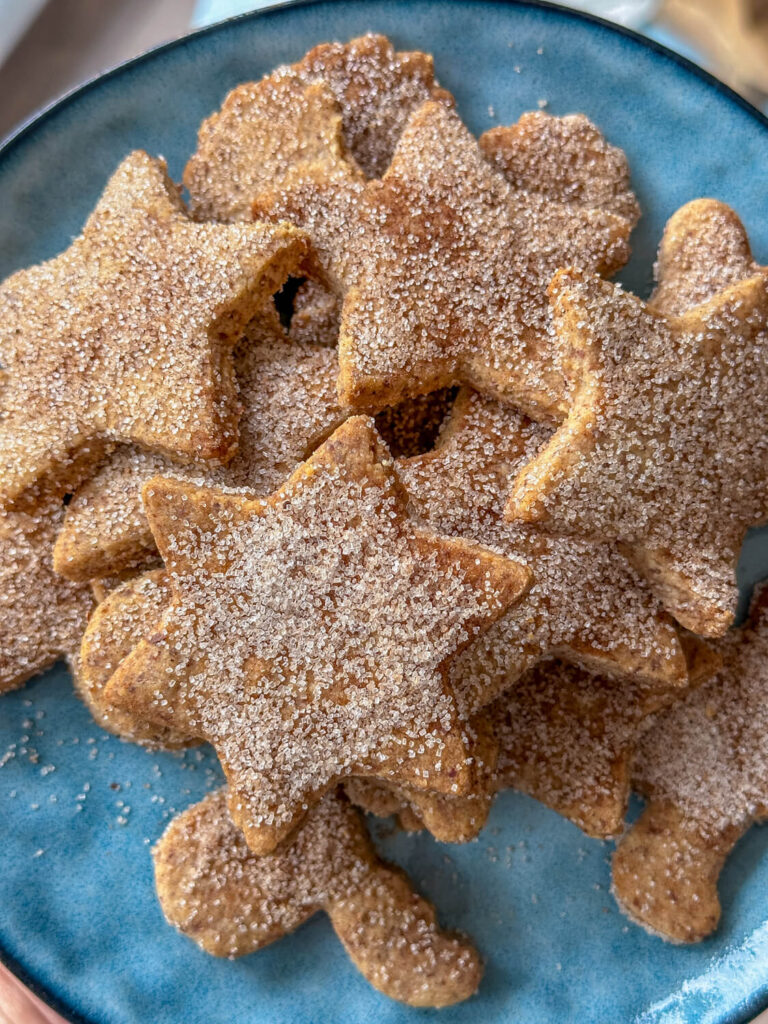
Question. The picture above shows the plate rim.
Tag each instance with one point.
(38, 118)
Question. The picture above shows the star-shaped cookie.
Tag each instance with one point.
(341, 108)
(288, 396)
(443, 268)
(308, 633)
(127, 335)
(214, 889)
(42, 615)
(703, 767)
(665, 448)
(586, 604)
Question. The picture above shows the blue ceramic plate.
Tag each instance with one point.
(78, 916)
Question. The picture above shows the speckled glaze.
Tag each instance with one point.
(79, 920)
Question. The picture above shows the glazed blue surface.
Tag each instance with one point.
(79, 918)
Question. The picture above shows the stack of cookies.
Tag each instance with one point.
(356, 467)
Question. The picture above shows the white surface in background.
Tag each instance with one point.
(15, 18)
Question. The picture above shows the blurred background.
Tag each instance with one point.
(49, 46)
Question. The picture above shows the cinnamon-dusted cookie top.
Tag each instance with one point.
(233, 902)
(443, 267)
(703, 767)
(126, 615)
(586, 603)
(288, 396)
(666, 445)
(308, 633)
(127, 335)
(341, 106)
(42, 615)
(565, 158)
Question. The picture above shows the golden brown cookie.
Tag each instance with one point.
(308, 633)
(42, 616)
(265, 133)
(564, 158)
(443, 268)
(288, 396)
(665, 448)
(704, 249)
(233, 902)
(128, 613)
(586, 605)
(702, 767)
(342, 108)
(127, 335)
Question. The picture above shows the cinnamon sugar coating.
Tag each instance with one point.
(232, 902)
(703, 767)
(308, 633)
(665, 448)
(288, 396)
(127, 335)
(341, 108)
(586, 603)
(443, 267)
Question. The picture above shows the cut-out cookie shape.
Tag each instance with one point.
(42, 615)
(288, 396)
(665, 448)
(586, 603)
(412, 427)
(563, 735)
(232, 902)
(564, 158)
(308, 633)
(702, 767)
(131, 611)
(443, 268)
(127, 335)
(342, 107)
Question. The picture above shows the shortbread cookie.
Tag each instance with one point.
(705, 249)
(308, 633)
(128, 613)
(564, 158)
(288, 395)
(233, 902)
(340, 105)
(266, 132)
(586, 604)
(665, 448)
(703, 766)
(42, 616)
(127, 335)
(443, 267)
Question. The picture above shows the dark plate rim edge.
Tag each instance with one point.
(757, 1001)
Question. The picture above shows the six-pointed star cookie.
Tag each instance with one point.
(127, 335)
(42, 616)
(308, 634)
(288, 396)
(341, 109)
(443, 267)
(666, 445)
(586, 604)
(703, 766)
(232, 902)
